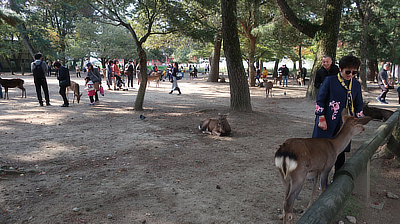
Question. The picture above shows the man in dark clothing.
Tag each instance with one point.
(327, 69)
(130, 70)
(39, 70)
(64, 80)
(303, 74)
(285, 74)
(383, 83)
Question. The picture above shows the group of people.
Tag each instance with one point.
(39, 69)
(339, 89)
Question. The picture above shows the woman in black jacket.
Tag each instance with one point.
(174, 74)
(94, 75)
(64, 81)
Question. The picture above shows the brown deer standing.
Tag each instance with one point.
(277, 79)
(12, 83)
(301, 158)
(74, 87)
(219, 127)
(154, 76)
(268, 88)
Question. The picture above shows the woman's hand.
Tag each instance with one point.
(322, 123)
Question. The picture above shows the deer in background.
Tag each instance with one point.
(376, 113)
(12, 83)
(268, 88)
(74, 87)
(301, 158)
(219, 127)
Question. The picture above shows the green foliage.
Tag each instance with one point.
(9, 17)
(382, 28)
(9, 44)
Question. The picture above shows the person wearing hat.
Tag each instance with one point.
(285, 74)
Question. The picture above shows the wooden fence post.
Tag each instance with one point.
(362, 185)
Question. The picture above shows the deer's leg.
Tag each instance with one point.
(315, 181)
(324, 179)
(6, 93)
(286, 183)
(295, 188)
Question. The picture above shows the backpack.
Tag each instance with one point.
(38, 72)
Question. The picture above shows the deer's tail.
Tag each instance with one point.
(285, 161)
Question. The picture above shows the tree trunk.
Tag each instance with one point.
(364, 12)
(143, 73)
(275, 72)
(363, 67)
(22, 30)
(300, 61)
(239, 89)
(311, 89)
(372, 69)
(326, 34)
(214, 65)
(252, 51)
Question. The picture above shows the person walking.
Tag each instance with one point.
(109, 73)
(78, 71)
(285, 74)
(174, 75)
(336, 93)
(90, 89)
(327, 69)
(64, 81)
(94, 75)
(115, 71)
(303, 75)
(258, 76)
(39, 70)
(130, 70)
(383, 83)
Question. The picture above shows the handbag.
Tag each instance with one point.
(102, 90)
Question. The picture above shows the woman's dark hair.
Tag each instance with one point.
(110, 62)
(349, 62)
(57, 64)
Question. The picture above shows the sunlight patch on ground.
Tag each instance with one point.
(47, 150)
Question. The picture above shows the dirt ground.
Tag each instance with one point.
(102, 164)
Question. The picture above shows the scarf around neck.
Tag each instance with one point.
(349, 100)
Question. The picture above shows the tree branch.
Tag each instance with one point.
(303, 26)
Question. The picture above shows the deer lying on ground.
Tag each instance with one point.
(376, 113)
(12, 83)
(268, 88)
(154, 76)
(74, 87)
(301, 158)
(219, 127)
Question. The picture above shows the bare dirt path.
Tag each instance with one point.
(102, 164)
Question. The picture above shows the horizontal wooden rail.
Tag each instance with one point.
(328, 205)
